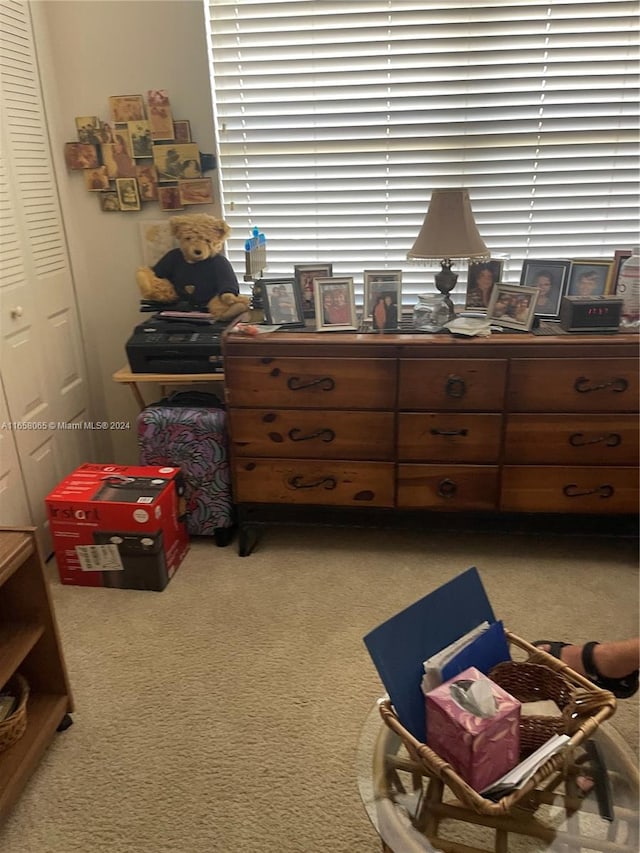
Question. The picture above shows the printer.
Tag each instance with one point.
(177, 344)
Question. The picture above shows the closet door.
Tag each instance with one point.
(41, 356)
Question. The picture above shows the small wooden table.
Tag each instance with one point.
(125, 377)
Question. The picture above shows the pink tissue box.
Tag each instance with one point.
(480, 749)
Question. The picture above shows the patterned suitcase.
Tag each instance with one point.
(189, 430)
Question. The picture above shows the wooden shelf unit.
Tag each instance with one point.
(30, 644)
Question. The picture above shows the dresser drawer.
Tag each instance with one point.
(449, 437)
(454, 385)
(311, 383)
(560, 489)
(310, 434)
(299, 481)
(451, 487)
(573, 385)
(572, 439)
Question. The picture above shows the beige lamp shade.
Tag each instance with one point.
(449, 229)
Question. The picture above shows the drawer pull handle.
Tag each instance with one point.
(447, 489)
(618, 385)
(578, 439)
(449, 431)
(326, 383)
(326, 482)
(455, 387)
(573, 491)
(327, 435)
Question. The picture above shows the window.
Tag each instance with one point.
(337, 118)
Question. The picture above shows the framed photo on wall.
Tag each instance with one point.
(512, 306)
(550, 278)
(125, 108)
(128, 196)
(282, 303)
(304, 276)
(82, 155)
(334, 304)
(589, 278)
(383, 298)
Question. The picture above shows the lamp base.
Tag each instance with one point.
(445, 282)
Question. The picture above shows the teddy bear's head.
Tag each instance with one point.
(199, 235)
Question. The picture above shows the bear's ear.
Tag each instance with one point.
(175, 223)
(222, 230)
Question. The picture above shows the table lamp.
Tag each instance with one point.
(449, 233)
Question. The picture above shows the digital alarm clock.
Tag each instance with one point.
(590, 313)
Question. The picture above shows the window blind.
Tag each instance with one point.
(337, 119)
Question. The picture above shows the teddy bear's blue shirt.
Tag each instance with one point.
(209, 278)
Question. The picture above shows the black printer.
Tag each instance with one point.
(166, 344)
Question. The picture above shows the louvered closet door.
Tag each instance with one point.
(42, 363)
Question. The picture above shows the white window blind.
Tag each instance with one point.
(337, 119)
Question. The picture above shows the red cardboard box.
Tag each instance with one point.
(118, 526)
(480, 749)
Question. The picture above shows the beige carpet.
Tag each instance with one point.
(223, 714)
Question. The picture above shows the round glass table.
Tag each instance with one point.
(594, 809)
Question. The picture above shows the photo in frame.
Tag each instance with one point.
(512, 306)
(182, 131)
(80, 155)
(382, 298)
(178, 161)
(589, 278)
(96, 179)
(620, 256)
(125, 108)
(550, 278)
(282, 302)
(169, 198)
(109, 201)
(160, 116)
(147, 183)
(116, 156)
(128, 196)
(480, 280)
(304, 275)
(140, 136)
(198, 191)
(88, 129)
(335, 305)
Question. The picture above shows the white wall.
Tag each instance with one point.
(89, 50)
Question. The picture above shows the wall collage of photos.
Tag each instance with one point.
(142, 154)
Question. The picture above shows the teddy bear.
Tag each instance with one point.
(196, 274)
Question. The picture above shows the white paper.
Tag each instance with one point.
(521, 774)
(433, 666)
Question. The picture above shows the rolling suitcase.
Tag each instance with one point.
(189, 430)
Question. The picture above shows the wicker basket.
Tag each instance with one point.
(586, 706)
(12, 729)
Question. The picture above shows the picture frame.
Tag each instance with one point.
(550, 277)
(128, 195)
(182, 130)
(619, 257)
(169, 198)
(197, 191)
(160, 115)
(177, 161)
(480, 280)
(335, 306)
(116, 156)
(88, 129)
(109, 201)
(147, 178)
(126, 108)
(282, 304)
(140, 136)
(304, 275)
(382, 298)
(80, 155)
(96, 179)
(589, 277)
(512, 306)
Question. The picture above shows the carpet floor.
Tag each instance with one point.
(223, 714)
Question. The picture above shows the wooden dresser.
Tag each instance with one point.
(429, 423)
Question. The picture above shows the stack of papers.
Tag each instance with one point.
(521, 774)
